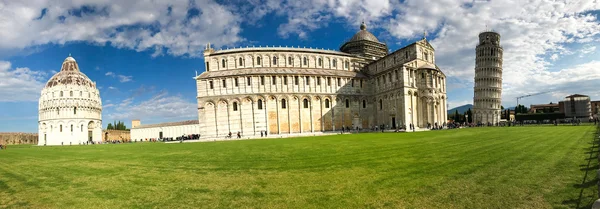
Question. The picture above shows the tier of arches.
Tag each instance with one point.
(488, 82)
(70, 112)
(298, 60)
(66, 132)
(491, 51)
(488, 72)
(488, 62)
(281, 114)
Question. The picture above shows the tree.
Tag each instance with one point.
(470, 114)
(109, 126)
(456, 116)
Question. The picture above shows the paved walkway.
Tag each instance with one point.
(277, 136)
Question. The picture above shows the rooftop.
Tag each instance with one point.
(180, 123)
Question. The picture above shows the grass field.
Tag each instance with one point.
(516, 167)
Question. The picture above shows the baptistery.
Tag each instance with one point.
(70, 108)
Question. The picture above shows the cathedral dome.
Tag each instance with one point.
(363, 34)
(70, 74)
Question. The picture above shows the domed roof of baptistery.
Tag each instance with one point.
(70, 75)
(363, 34)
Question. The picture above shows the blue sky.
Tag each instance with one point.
(143, 54)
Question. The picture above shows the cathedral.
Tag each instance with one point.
(283, 90)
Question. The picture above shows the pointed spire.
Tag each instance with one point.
(424, 34)
(69, 54)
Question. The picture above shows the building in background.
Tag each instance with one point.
(172, 130)
(544, 108)
(284, 90)
(487, 100)
(595, 105)
(70, 108)
(577, 106)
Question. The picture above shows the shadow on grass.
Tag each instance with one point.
(590, 180)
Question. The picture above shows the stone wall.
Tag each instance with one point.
(18, 138)
(110, 135)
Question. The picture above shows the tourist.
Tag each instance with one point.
(265, 133)
(261, 134)
(239, 135)
(0, 146)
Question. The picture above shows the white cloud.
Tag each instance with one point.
(554, 57)
(122, 78)
(160, 106)
(112, 88)
(139, 25)
(587, 49)
(20, 84)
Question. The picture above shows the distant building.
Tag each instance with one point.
(544, 108)
(173, 130)
(595, 108)
(578, 106)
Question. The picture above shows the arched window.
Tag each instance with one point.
(60, 128)
(260, 104)
(241, 62)
(334, 63)
(223, 63)
(61, 94)
(289, 60)
(71, 128)
(381, 104)
(347, 103)
(364, 104)
(57, 111)
(235, 107)
(326, 103)
(71, 93)
(274, 60)
(258, 60)
(320, 62)
(81, 127)
(283, 104)
(81, 93)
(346, 64)
(305, 61)
(75, 111)
(305, 103)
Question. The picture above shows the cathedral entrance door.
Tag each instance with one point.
(393, 122)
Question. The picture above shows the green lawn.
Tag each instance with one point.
(516, 167)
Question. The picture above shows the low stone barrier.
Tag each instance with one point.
(18, 138)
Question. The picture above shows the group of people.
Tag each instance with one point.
(239, 135)
(2, 147)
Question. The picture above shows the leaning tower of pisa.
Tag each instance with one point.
(487, 99)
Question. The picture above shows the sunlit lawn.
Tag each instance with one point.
(511, 167)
